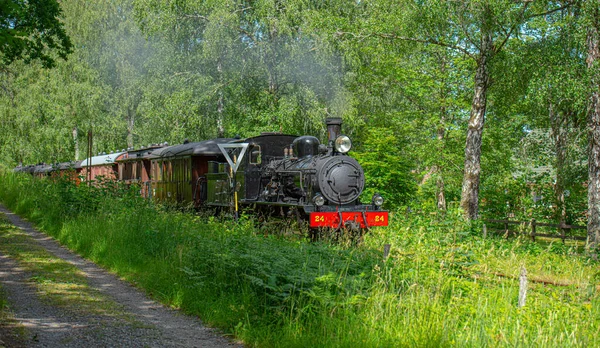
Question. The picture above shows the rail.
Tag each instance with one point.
(532, 227)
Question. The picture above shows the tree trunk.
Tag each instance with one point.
(593, 59)
(440, 194)
(130, 125)
(76, 142)
(220, 127)
(559, 124)
(441, 197)
(469, 201)
(271, 59)
(441, 133)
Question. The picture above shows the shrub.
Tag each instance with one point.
(387, 172)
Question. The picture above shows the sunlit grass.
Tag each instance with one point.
(442, 284)
(57, 281)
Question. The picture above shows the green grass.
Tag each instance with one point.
(442, 285)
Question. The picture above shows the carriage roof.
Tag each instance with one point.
(201, 148)
(101, 160)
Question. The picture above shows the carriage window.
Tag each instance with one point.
(255, 155)
(138, 169)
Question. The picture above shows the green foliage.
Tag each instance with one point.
(43, 108)
(31, 30)
(387, 171)
(247, 69)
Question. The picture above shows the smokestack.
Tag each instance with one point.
(334, 127)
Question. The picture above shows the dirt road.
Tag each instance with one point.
(115, 313)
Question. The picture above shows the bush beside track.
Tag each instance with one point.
(442, 285)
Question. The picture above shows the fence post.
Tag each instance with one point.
(506, 229)
(522, 287)
(562, 231)
(533, 230)
(484, 231)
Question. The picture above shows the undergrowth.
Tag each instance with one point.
(442, 284)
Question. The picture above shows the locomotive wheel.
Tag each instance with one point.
(276, 221)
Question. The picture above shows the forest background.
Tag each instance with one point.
(414, 81)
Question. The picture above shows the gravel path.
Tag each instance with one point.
(150, 324)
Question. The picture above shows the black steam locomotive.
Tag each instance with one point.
(318, 182)
(321, 181)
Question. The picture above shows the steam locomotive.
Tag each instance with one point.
(318, 182)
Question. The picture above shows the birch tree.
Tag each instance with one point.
(479, 30)
(593, 61)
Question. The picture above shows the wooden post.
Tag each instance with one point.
(484, 231)
(522, 287)
(89, 164)
(506, 229)
(562, 231)
(386, 251)
(235, 196)
(533, 230)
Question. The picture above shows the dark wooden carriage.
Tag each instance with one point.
(43, 170)
(134, 168)
(179, 171)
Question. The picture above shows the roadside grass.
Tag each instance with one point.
(442, 285)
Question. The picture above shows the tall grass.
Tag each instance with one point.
(442, 284)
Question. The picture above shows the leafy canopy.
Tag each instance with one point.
(31, 30)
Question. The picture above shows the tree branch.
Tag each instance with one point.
(196, 16)
(512, 29)
(248, 34)
(567, 5)
(243, 9)
(463, 27)
(412, 39)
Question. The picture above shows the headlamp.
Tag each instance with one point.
(377, 200)
(318, 200)
(343, 144)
